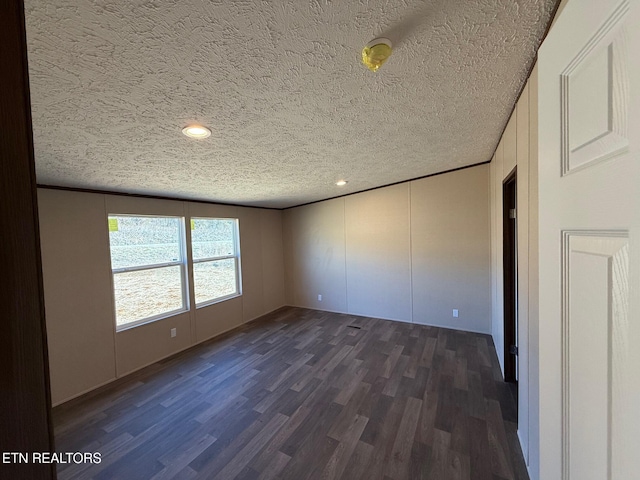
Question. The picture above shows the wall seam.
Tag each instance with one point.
(283, 285)
(346, 277)
(410, 257)
(113, 300)
(529, 268)
(491, 246)
(285, 264)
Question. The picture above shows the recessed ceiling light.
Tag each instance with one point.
(196, 131)
(341, 183)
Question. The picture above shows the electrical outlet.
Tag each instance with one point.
(173, 332)
(319, 297)
(455, 313)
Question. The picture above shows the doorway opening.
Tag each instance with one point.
(510, 269)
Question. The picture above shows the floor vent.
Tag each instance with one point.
(354, 326)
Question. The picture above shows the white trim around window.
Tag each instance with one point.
(145, 287)
(217, 276)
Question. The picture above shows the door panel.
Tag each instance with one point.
(594, 319)
(594, 96)
(589, 190)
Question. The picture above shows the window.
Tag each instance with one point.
(148, 265)
(216, 259)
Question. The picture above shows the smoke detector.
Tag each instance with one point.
(375, 53)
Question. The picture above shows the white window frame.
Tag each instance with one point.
(183, 274)
(235, 256)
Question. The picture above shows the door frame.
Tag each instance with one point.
(25, 398)
(510, 275)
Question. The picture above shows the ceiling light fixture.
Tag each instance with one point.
(196, 131)
(375, 53)
(341, 183)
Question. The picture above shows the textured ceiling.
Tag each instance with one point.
(281, 86)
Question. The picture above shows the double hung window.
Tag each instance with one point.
(148, 261)
(149, 265)
(216, 259)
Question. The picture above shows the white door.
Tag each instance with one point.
(589, 190)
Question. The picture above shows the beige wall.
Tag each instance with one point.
(272, 260)
(450, 250)
(84, 349)
(378, 253)
(81, 345)
(410, 252)
(314, 253)
(517, 149)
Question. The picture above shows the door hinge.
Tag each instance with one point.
(512, 213)
(513, 350)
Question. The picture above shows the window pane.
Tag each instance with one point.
(214, 279)
(137, 241)
(146, 293)
(212, 237)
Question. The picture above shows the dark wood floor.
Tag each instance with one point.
(303, 394)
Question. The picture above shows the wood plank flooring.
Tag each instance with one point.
(302, 394)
